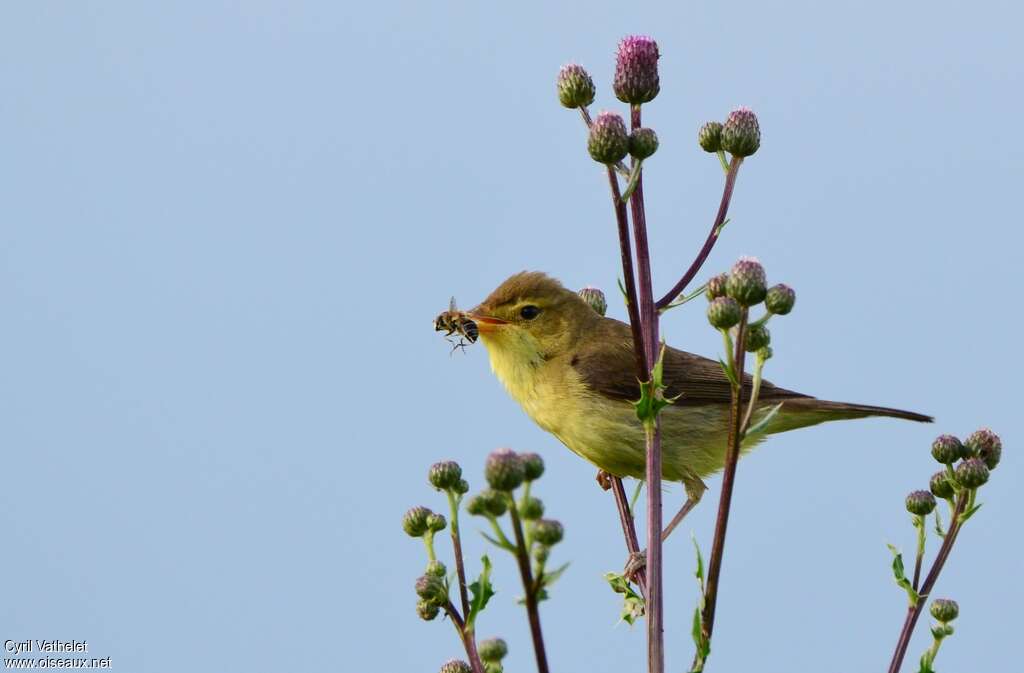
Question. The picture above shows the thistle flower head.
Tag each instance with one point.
(709, 137)
(533, 465)
(455, 666)
(427, 610)
(444, 475)
(461, 487)
(944, 609)
(741, 134)
(643, 142)
(414, 523)
(758, 337)
(504, 470)
(920, 503)
(972, 473)
(531, 508)
(723, 312)
(493, 649)
(747, 283)
(780, 299)
(436, 522)
(940, 485)
(986, 445)
(436, 569)
(608, 141)
(636, 70)
(716, 286)
(595, 298)
(947, 449)
(548, 532)
(575, 86)
(431, 589)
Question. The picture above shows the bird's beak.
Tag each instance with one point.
(486, 324)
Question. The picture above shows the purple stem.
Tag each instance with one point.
(529, 588)
(914, 611)
(629, 531)
(466, 636)
(629, 280)
(723, 210)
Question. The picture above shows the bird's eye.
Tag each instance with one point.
(529, 312)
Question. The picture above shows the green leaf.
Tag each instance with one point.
(498, 543)
(938, 524)
(728, 371)
(700, 564)
(762, 424)
(652, 393)
(633, 606)
(969, 513)
(549, 578)
(900, 577)
(622, 289)
(481, 590)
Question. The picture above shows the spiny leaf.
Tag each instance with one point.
(497, 543)
(969, 513)
(900, 577)
(481, 590)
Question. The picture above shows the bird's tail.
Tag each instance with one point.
(802, 412)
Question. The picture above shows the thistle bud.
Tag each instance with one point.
(972, 473)
(947, 449)
(716, 286)
(986, 445)
(461, 487)
(477, 505)
(414, 523)
(780, 299)
(547, 532)
(531, 508)
(723, 312)
(436, 569)
(741, 134)
(758, 337)
(595, 299)
(945, 609)
(608, 142)
(427, 610)
(575, 87)
(747, 283)
(541, 553)
(444, 475)
(940, 485)
(495, 502)
(636, 70)
(456, 666)
(765, 354)
(436, 522)
(431, 589)
(643, 142)
(493, 649)
(709, 137)
(920, 503)
(504, 470)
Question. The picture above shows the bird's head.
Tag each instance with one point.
(530, 318)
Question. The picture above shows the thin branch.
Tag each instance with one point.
(629, 531)
(632, 305)
(468, 642)
(723, 210)
(529, 588)
(460, 566)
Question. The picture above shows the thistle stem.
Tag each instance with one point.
(919, 523)
(529, 587)
(914, 611)
(629, 280)
(460, 567)
(629, 530)
(723, 210)
(467, 637)
(732, 456)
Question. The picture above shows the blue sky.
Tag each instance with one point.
(227, 227)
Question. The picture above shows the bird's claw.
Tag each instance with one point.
(636, 562)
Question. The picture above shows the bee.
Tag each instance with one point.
(454, 321)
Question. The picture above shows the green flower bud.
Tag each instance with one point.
(608, 142)
(504, 470)
(493, 649)
(972, 473)
(986, 445)
(493, 667)
(940, 485)
(456, 666)
(477, 505)
(741, 134)
(547, 532)
(427, 610)
(541, 553)
(595, 299)
(531, 508)
(746, 282)
(765, 353)
(414, 523)
(758, 337)
(436, 522)
(780, 299)
(709, 137)
(921, 503)
(431, 589)
(723, 312)
(643, 142)
(716, 286)
(487, 503)
(947, 449)
(944, 609)
(436, 569)
(533, 465)
(636, 70)
(575, 86)
(461, 488)
(444, 475)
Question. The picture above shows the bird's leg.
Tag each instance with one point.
(694, 492)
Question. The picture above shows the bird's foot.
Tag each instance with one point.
(636, 562)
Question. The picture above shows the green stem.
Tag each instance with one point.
(428, 542)
(754, 392)
(722, 160)
(919, 523)
(500, 534)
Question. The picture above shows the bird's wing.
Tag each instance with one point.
(605, 362)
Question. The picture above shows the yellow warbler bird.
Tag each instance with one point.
(573, 371)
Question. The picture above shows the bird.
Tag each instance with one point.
(573, 372)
